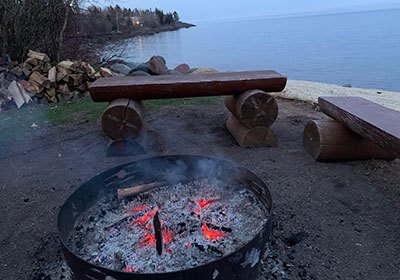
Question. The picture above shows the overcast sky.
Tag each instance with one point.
(190, 10)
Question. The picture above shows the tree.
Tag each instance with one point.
(176, 16)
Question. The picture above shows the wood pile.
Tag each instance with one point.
(65, 81)
(253, 112)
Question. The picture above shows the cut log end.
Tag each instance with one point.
(330, 141)
(259, 136)
(124, 118)
(253, 108)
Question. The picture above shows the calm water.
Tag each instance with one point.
(362, 49)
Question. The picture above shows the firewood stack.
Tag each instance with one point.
(65, 81)
(253, 112)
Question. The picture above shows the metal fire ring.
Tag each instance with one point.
(239, 265)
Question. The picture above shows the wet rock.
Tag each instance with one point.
(183, 68)
(141, 67)
(138, 73)
(172, 72)
(158, 65)
(120, 68)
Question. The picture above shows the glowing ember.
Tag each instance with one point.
(206, 202)
(167, 236)
(188, 245)
(137, 209)
(148, 240)
(144, 219)
(211, 234)
(130, 269)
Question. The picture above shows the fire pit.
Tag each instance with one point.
(187, 217)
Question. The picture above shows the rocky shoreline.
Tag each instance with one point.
(142, 31)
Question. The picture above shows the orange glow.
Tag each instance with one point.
(149, 239)
(144, 219)
(206, 202)
(211, 234)
(188, 245)
(137, 209)
(167, 235)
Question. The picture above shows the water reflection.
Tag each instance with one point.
(331, 49)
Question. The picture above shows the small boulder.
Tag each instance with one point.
(183, 68)
(141, 67)
(138, 73)
(172, 72)
(205, 71)
(158, 65)
(105, 72)
(120, 68)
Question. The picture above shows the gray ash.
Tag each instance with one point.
(201, 222)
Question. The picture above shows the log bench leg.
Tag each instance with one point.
(253, 112)
(124, 121)
(330, 141)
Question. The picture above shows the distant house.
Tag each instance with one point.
(137, 21)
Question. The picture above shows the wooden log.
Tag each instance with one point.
(123, 118)
(259, 136)
(122, 193)
(53, 75)
(40, 80)
(330, 141)
(33, 89)
(176, 86)
(63, 89)
(67, 64)
(377, 123)
(30, 63)
(62, 74)
(253, 108)
(158, 233)
(38, 56)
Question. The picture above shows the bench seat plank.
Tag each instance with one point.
(176, 86)
(377, 123)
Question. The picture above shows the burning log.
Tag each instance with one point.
(123, 193)
(123, 118)
(253, 108)
(259, 136)
(158, 233)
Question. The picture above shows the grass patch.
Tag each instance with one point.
(16, 123)
(70, 112)
(206, 100)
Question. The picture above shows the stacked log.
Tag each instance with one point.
(124, 120)
(331, 141)
(65, 81)
(253, 112)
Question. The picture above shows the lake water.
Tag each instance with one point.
(362, 49)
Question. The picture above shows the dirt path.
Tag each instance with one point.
(346, 215)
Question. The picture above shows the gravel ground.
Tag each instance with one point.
(331, 221)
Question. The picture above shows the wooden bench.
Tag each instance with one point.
(362, 130)
(253, 109)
